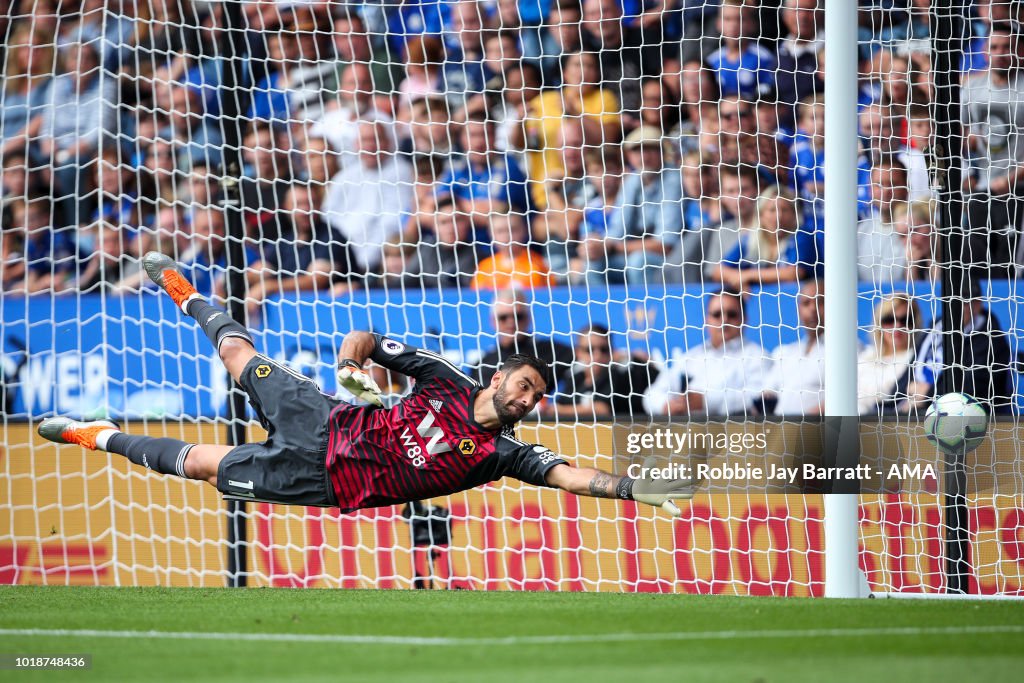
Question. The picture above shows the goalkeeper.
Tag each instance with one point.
(448, 435)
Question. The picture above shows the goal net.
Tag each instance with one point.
(631, 189)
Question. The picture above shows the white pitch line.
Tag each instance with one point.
(520, 640)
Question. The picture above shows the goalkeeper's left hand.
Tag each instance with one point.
(358, 382)
(661, 492)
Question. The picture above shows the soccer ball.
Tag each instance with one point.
(956, 423)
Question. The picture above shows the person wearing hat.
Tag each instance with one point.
(646, 229)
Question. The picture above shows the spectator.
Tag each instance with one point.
(513, 324)
(509, 109)
(186, 122)
(737, 127)
(428, 136)
(987, 14)
(720, 377)
(484, 180)
(738, 190)
(774, 252)
(164, 231)
(18, 180)
(368, 202)
(268, 176)
(807, 159)
(647, 230)
(352, 46)
(598, 215)
(405, 22)
(103, 266)
(515, 262)
(602, 385)
(697, 98)
(501, 55)
(567, 199)
(355, 101)
(797, 78)
(318, 161)
(116, 199)
(701, 206)
(424, 71)
(881, 140)
(448, 254)
(626, 53)
(396, 268)
(656, 108)
(882, 367)
(13, 267)
(916, 154)
(26, 80)
(205, 264)
(881, 249)
(580, 96)
(698, 40)
(49, 251)
(795, 382)
(465, 72)
(993, 120)
(915, 224)
(986, 362)
(530, 38)
(79, 109)
(158, 172)
(308, 256)
(565, 31)
(741, 66)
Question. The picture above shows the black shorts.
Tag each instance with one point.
(290, 467)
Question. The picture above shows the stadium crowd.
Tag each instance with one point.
(512, 146)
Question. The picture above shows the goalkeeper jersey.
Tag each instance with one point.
(426, 445)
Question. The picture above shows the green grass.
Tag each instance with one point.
(859, 651)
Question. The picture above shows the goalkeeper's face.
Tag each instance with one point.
(518, 393)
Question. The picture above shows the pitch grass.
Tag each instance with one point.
(857, 651)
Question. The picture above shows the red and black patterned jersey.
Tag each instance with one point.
(428, 444)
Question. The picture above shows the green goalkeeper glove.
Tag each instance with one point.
(358, 382)
(656, 492)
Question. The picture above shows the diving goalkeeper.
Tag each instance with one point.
(448, 435)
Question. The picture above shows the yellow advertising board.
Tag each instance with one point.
(68, 516)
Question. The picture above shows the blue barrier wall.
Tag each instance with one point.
(137, 355)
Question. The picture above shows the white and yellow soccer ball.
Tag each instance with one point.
(956, 423)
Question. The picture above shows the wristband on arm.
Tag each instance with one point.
(624, 489)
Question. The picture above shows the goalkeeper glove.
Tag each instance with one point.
(656, 492)
(358, 382)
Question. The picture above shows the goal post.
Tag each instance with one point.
(842, 573)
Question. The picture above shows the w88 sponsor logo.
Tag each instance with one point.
(426, 430)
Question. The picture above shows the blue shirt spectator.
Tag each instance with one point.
(799, 249)
(499, 179)
(749, 75)
(412, 18)
(483, 176)
(24, 86)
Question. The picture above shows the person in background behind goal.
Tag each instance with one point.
(450, 434)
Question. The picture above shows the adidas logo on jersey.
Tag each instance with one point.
(436, 404)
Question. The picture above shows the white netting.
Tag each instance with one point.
(571, 177)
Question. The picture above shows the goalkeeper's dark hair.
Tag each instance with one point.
(522, 360)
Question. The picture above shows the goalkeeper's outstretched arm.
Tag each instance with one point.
(587, 481)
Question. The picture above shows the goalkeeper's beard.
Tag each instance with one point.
(506, 409)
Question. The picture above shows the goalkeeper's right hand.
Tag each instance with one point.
(661, 492)
(358, 382)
